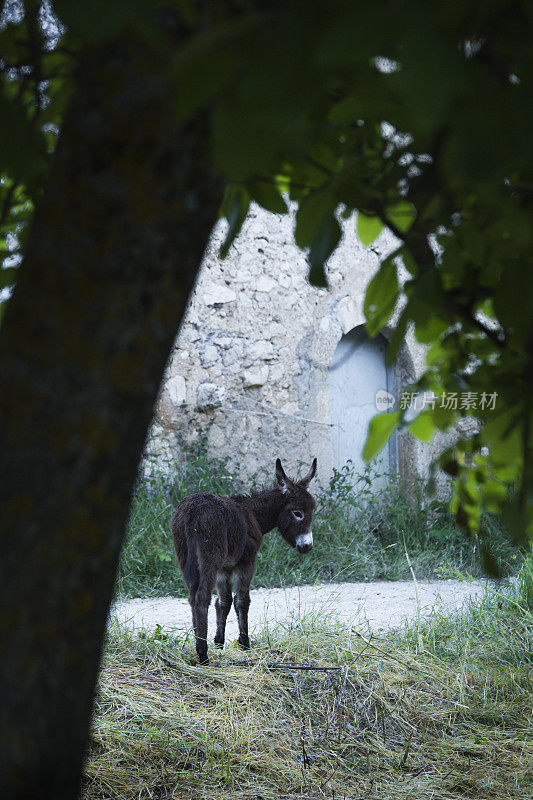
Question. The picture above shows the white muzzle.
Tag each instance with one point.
(304, 542)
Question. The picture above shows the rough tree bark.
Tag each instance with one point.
(109, 266)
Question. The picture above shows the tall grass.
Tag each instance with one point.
(360, 533)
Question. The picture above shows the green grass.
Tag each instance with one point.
(440, 710)
(360, 534)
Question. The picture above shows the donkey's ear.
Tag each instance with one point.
(310, 475)
(281, 477)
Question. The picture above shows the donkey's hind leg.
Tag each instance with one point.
(223, 606)
(189, 569)
(192, 603)
(242, 602)
(201, 606)
(187, 562)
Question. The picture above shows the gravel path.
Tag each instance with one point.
(379, 606)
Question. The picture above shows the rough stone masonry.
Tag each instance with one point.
(252, 362)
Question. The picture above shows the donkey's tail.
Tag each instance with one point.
(190, 571)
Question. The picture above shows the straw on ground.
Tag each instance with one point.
(450, 720)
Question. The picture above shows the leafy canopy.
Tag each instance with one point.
(415, 115)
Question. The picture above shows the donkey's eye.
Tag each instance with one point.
(297, 515)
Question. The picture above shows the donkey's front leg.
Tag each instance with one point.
(242, 604)
(223, 606)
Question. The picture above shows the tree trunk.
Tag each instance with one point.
(109, 266)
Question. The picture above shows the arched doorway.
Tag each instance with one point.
(357, 372)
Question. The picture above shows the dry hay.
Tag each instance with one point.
(385, 722)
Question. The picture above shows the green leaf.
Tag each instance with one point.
(444, 418)
(201, 68)
(380, 429)
(502, 434)
(283, 183)
(234, 207)
(368, 228)
(449, 464)
(381, 296)
(402, 215)
(311, 212)
(8, 276)
(397, 338)
(426, 299)
(59, 92)
(324, 243)
(97, 22)
(494, 495)
(10, 40)
(22, 145)
(423, 426)
(268, 195)
(408, 261)
(429, 330)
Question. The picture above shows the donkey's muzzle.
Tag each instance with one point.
(304, 542)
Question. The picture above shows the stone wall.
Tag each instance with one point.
(251, 361)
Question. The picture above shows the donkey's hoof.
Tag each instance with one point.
(244, 642)
(203, 660)
(219, 644)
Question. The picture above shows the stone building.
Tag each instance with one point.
(273, 366)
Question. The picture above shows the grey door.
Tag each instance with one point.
(357, 373)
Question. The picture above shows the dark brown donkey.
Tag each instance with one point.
(217, 539)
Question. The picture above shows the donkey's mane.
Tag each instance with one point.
(254, 494)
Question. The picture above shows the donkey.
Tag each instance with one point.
(217, 539)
